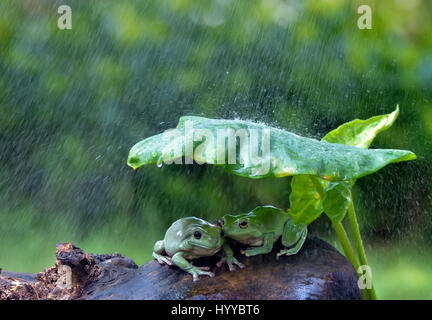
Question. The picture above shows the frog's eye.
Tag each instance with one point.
(243, 224)
(197, 235)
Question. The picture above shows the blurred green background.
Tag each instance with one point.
(73, 102)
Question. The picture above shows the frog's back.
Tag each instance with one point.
(273, 218)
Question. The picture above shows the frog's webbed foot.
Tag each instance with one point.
(221, 262)
(229, 258)
(185, 265)
(197, 271)
(163, 259)
(287, 252)
(157, 254)
(231, 262)
(201, 268)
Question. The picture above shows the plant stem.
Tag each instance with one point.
(359, 244)
(340, 230)
(343, 238)
(348, 250)
(346, 245)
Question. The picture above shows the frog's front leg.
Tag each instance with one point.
(185, 265)
(229, 259)
(157, 253)
(265, 248)
(293, 237)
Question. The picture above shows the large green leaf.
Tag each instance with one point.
(283, 154)
(357, 133)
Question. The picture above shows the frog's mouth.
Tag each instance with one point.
(210, 247)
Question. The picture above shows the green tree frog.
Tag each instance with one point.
(261, 227)
(191, 238)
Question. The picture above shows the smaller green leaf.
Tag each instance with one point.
(306, 204)
(360, 133)
(356, 133)
(337, 198)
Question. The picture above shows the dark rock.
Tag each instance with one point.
(318, 271)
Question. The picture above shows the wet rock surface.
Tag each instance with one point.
(318, 271)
